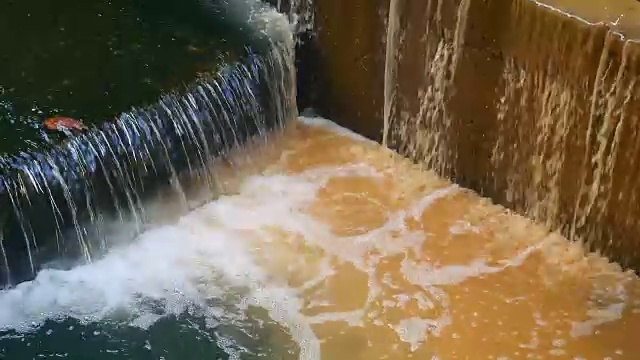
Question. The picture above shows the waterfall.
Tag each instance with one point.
(56, 203)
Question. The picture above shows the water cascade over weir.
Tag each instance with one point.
(60, 204)
(533, 103)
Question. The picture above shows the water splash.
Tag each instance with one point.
(346, 246)
(552, 110)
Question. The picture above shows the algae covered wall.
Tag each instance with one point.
(531, 106)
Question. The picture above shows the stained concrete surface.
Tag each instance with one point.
(535, 105)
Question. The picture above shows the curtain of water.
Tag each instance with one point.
(55, 203)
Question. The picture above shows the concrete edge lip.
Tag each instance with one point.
(623, 20)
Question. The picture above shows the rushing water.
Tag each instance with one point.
(61, 202)
(78, 60)
(327, 246)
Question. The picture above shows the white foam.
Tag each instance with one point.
(203, 256)
(206, 254)
(270, 22)
(425, 274)
(413, 331)
(597, 316)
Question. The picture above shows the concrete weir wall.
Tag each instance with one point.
(534, 105)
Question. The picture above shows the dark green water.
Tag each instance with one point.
(93, 59)
(183, 337)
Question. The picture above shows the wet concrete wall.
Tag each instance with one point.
(534, 107)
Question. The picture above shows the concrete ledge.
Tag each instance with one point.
(533, 106)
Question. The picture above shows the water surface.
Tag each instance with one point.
(327, 246)
(92, 60)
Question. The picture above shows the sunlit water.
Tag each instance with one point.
(328, 246)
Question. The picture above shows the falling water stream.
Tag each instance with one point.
(283, 238)
(61, 199)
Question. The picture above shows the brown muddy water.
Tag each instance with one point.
(389, 261)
